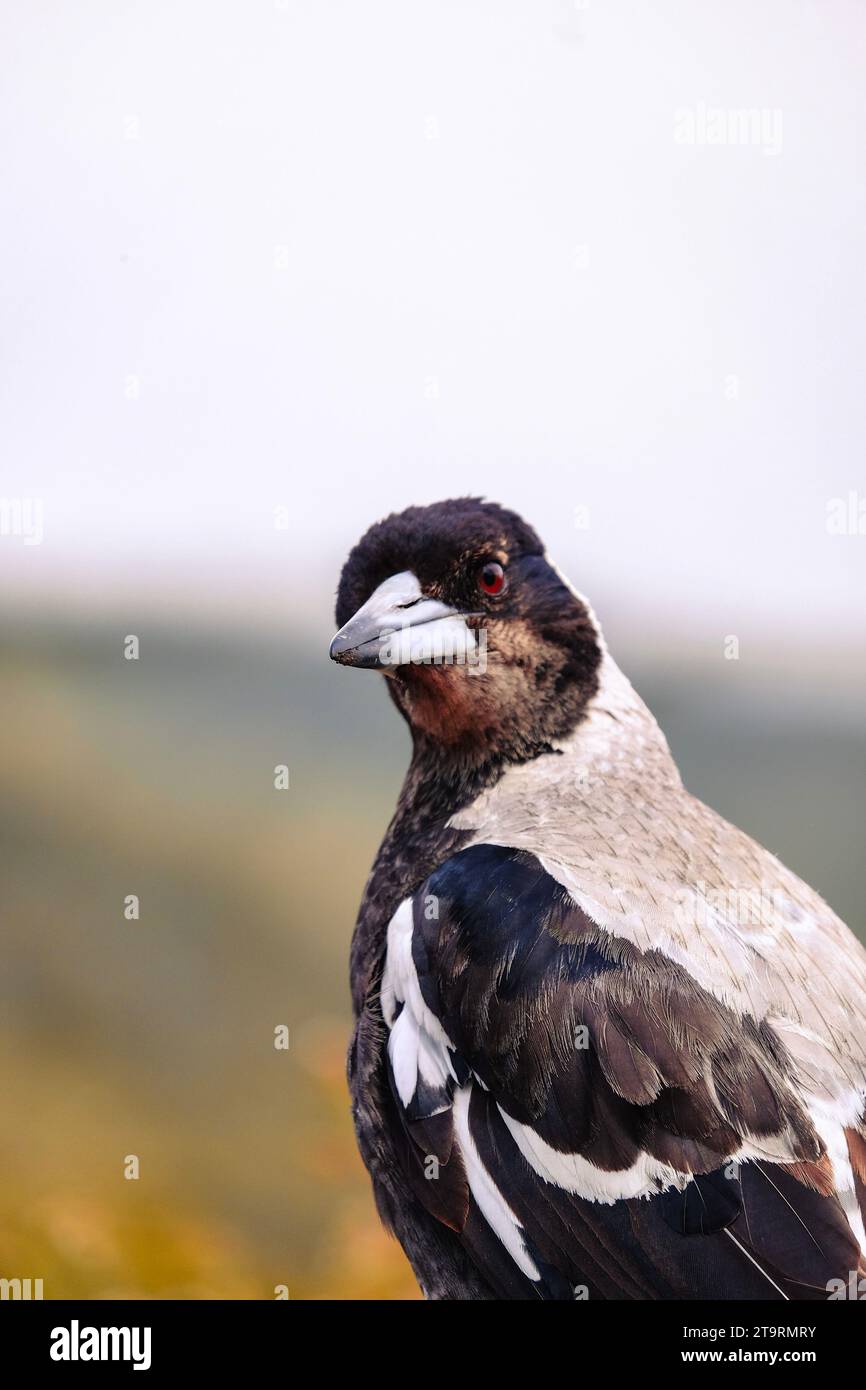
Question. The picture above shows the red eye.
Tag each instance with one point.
(491, 578)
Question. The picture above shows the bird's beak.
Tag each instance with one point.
(398, 626)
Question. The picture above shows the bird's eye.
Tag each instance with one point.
(491, 578)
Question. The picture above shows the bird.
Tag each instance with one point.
(605, 1046)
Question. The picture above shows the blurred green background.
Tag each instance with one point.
(155, 1037)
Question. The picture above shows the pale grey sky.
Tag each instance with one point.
(344, 257)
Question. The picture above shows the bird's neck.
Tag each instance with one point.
(619, 734)
(602, 768)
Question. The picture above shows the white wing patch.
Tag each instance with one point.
(420, 1049)
(573, 1173)
(417, 1044)
(491, 1203)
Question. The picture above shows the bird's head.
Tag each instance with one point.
(488, 650)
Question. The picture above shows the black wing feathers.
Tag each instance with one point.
(611, 1054)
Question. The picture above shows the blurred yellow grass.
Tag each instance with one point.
(156, 1037)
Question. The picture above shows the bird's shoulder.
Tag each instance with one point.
(653, 865)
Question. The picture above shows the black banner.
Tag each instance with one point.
(152, 1338)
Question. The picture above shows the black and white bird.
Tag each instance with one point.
(606, 1046)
